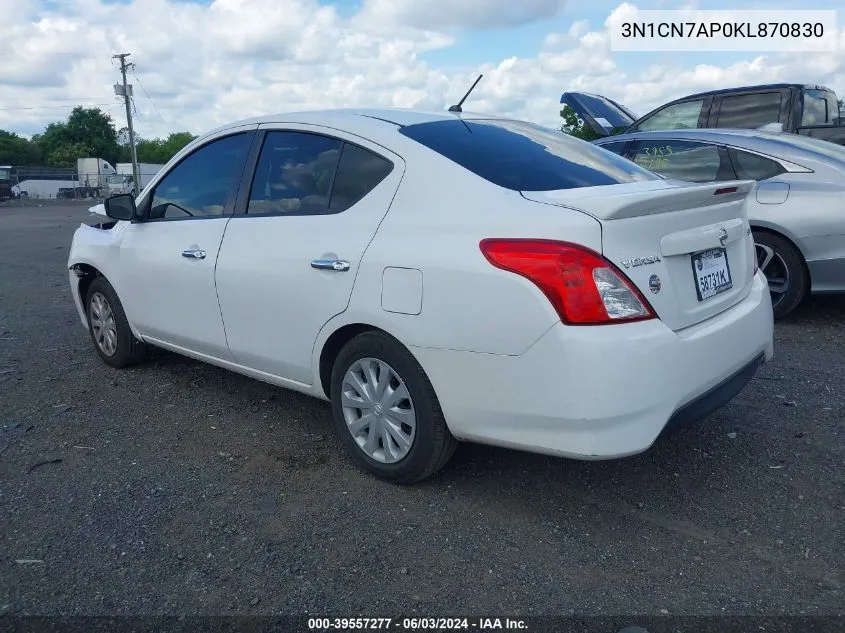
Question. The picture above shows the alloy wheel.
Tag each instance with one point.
(776, 271)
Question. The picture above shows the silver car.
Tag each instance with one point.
(797, 212)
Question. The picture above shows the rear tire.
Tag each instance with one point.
(109, 328)
(785, 270)
(410, 440)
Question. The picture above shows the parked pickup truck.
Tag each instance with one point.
(797, 108)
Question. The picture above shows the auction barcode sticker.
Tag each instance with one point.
(633, 29)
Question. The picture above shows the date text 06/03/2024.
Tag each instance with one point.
(416, 624)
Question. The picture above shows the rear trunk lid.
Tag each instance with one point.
(687, 247)
(604, 115)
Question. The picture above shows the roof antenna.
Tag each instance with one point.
(457, 106)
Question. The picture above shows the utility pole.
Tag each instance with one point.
(125, 91)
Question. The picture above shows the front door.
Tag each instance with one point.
(167, 261)
(291, 254)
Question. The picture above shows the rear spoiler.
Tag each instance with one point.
(616, 202)
(697, 195)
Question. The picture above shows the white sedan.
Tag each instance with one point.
(439, 277)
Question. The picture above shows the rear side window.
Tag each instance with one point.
(680, 116)
(750, 111)
(524, 157)
(300, 173)
(755, 167)
(685, 160)
(358, 173)
(820, 107)
(294, 174)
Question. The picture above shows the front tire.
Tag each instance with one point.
(109, 328)
(785, 271)
(385, 410)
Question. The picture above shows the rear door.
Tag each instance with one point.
(291, 252)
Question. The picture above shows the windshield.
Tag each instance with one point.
(4, 173)
(525, 157)
(820, 107)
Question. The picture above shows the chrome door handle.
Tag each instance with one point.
(337, 265)
(194, 253)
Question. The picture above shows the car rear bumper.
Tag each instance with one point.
(602, 392)
(827, 275)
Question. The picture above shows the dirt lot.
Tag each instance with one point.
(181, 488)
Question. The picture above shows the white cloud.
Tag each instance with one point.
(207, 65)
(460, 13)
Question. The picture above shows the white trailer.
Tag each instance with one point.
(44, 188)
(93, 174)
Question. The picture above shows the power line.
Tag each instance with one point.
(55, 107)
(146, 94)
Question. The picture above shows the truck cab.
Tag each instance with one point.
(795, 108)
(5, 182)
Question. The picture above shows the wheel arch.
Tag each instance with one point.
(86, 274)
(762, 227)
(332, 346)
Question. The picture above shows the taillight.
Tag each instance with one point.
(584, 287)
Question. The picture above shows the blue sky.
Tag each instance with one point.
(204, 63)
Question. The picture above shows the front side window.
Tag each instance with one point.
(750, 111)
(680, 116)
(684, 160)
(200, 185)
(522, 156)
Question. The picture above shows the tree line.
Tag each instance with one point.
(87, 133)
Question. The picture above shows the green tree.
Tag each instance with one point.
(176, 141)
(16, 150)
(576, 126)
(88, 133)
(162, 150)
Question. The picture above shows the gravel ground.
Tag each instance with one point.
(177, 487)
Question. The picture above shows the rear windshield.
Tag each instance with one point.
(524, 157)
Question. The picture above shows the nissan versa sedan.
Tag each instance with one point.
(438, 277)
(796, 213)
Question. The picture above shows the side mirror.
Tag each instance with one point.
(121, 207)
